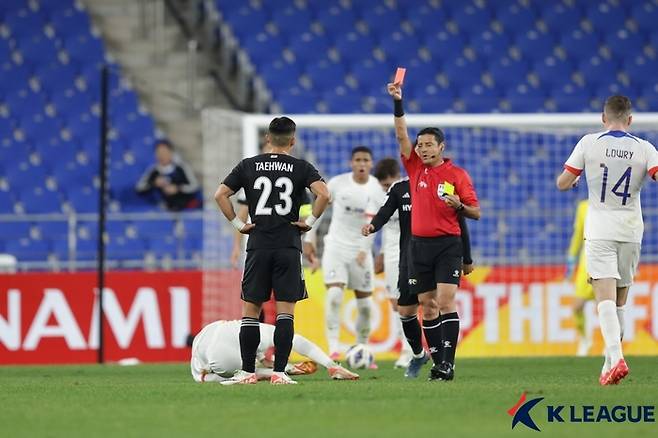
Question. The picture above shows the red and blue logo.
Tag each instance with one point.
(521, 412)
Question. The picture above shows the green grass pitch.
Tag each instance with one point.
(163, 401)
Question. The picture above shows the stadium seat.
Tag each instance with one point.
(599, 70)
(85, 200)
(623, 43)
(463, 71)
(23, 23)
(192, 227)
(336, 20)
(445, 45)
(526, 98)
(354, 47)
(53, 229)
(426, 18)
(15, 230)
(343, 103)
(38, 50)
(28, 250)
(6, 203)
(326, 75)
(153, 228)
(506, 71)
(551, 70)
(123, 249)
(292, 20)
(535, 45)
(399, 47)
(516, 18)
(245, 19)
(164, 246)
(645, 14)
(69, 21)
(85, 48)
(38, 200)
(605, 16)
(24, 176)
(69, 101)
(579, 44)
(560, 15)
(381, 20)
(490, 44)
(306, 47)
(263, 48)
(472, 18)
(641, 68)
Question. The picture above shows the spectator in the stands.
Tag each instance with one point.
(172, 177)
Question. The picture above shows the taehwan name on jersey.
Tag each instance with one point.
(273, 166)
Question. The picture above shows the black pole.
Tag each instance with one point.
(101, 211)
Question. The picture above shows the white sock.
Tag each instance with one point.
(405, 347)
(610, 329)
(620, 317)
(607, 363)
(307, 348)
(363, 319)
(332, 316)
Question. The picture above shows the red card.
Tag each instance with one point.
(399, 76)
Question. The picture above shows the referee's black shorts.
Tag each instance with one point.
(434, 260)
(279, 270)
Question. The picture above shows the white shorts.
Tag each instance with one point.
(391, 274)
(227, 362)
(340, 266)
(611, 259)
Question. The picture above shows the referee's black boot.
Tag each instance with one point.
(443, 371)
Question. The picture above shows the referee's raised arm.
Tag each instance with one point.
(395, 90)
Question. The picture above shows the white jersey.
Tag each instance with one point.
(616, 164)
(352, 206)
(217, 347)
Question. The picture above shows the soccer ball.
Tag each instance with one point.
(359, 356)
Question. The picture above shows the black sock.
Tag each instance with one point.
(249, 340)
(450, 330)
(283, 334)
(412, 332)
(432, 331)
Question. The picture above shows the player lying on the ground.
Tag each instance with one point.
(216, 354)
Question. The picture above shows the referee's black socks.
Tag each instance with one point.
(411, 329)
(249, 340)
(432, 329)
(450, 329)
(283, 334)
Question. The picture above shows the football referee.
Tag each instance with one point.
(440, 191)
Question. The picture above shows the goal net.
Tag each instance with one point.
(518, 301)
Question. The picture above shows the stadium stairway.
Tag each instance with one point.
(157, 61)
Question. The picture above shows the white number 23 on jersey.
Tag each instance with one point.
(264, 184)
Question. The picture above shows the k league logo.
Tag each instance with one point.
(520, 413)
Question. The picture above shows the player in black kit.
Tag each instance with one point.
(274, 185)
(398, 199)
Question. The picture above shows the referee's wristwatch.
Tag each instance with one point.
(461, 207)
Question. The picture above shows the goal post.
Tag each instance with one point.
(517, 302)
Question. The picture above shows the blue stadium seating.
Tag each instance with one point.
(553, 40)
(49, 131)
